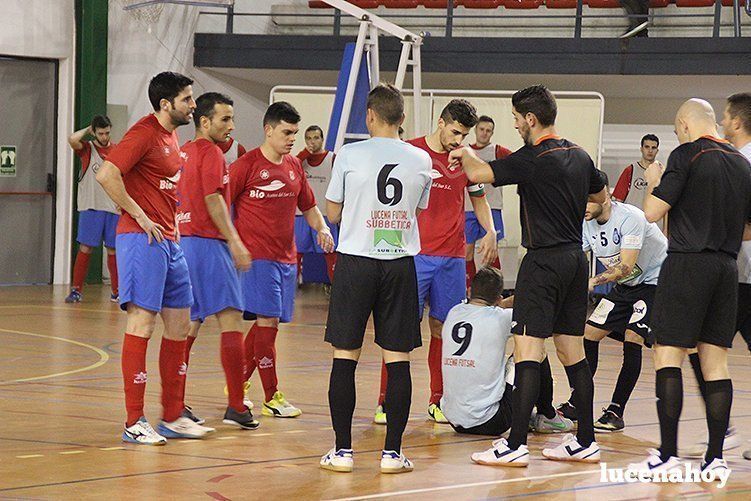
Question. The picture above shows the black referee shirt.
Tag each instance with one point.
(708, 186)
(555, 178)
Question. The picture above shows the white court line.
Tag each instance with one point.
(462, 486)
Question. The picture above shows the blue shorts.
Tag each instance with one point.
(305, 236)
(443, 280)
(473, 231)
(213, 276)
(152, 276)
(269, 290)
(95, 226)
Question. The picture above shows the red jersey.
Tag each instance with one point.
(229, 144)
(150, 161)
(266, 195)
(442, 223)
(85, 153)
(205, 173)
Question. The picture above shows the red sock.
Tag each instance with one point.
(112, 267)
(330, 265)
(497, 262)
(172, 371)
(250, 357)
(188, 346)
(233, 363)
(265, 352)
(133, 365)
(471, 272)
(434, 366)
(384, 381)
(80, 269)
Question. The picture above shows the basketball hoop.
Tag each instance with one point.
(149, 11)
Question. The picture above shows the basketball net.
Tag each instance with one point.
(149, 14)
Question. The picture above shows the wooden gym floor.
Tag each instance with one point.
(61, 409)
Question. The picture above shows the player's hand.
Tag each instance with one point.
(488, 248)
(326, 240)
(507, 302)
(654, 173)
(456, 156)
(240, 255)
(591, 285)
(154, 231)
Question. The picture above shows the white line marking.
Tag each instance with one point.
(72, 452)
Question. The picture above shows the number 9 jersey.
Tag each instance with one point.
(473, 362)
(381, 182)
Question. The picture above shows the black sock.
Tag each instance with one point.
(669, 391)
(627, 378)
(696, 366)
(342, 400)
(718, 401)
(523, 398)
(584, 391)
(545, 400)
(398, 400)
(592, 354)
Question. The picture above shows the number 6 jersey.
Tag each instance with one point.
(381, 182)
(473, 362)
(627, 228)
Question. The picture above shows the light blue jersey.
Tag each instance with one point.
(627, 228)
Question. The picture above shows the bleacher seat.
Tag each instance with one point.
(399, 4)
(366, 4)
(315, 4)
(604, 4)
(522, 4)
(435, 4)
(729, 3)
(694, 3)
(480, 4)
(562, 4)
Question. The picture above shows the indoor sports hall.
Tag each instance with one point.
(81, 232)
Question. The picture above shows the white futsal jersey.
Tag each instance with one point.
(474, 352)
(744, 256)
(233, 151)
(319, 177)
(381, 182)
(494, 195)
(91, 195)
(627, 228)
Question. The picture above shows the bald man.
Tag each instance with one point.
(707, 190)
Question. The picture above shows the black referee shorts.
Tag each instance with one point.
(743, 319)
(626, 308)
(696, 300)
(551, 293)
(388, 289)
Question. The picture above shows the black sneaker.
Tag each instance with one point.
(188, 413)
(567, 410)
(609, 421)
(244, 420)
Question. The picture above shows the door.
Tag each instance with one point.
(28, 123)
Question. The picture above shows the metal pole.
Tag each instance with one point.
(401, 71)
(578, 23)
(416, 86)
(736, 18)
(375, 66)
(717, 17)
(349, 94)
(449, 18)
(337, 22)
(230, 28)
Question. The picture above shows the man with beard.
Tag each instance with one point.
(141, 175)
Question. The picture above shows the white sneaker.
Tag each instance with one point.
(571, 450)
(142, 433)
(394, 462)
(732, 441)
(338, 460)
(501, 455)
(279, 407)
(183, 427)
(558, 424)
(718, 466)
(654, 464)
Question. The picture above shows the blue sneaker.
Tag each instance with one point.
(74, 297)
(183, 427)
(142, 433)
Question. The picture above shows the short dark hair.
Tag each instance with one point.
(314, 128)
(537, 100)
(487, 285)
(460, 110)
(485, 118)
(100, 122)
(650, 137)
(205, 105)
(166, 85)
(604, 177)
(281, 111)
(387, 102)
(739, 106)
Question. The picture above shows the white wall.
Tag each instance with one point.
(46, 29)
